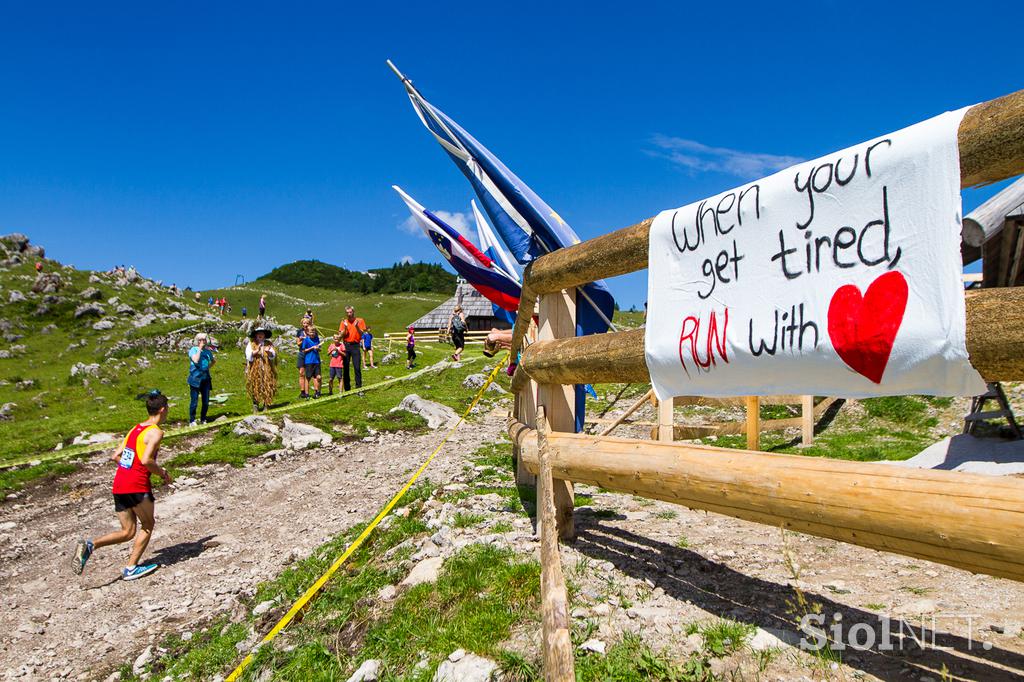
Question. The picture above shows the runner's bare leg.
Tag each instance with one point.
(144, 510)
(127, 532)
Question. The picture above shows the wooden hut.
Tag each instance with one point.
(478, 310)
(994, 232)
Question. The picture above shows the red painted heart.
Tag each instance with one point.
(863, 328)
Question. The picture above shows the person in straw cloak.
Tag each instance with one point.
(260, 368)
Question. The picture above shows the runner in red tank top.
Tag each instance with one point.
(133, 492)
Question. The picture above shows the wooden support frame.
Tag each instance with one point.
(558, 320)
(666, 419)
(968, 521)
(557, 655)
(753, 405)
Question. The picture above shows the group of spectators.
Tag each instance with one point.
(345, 352)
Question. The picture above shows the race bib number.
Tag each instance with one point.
(127, 458)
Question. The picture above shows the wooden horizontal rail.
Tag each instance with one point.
(991, 140)
(995, 342)
(968, 521)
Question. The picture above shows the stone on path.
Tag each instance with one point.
(259, 427)
(296, 436)
(436, 414)
(367, 672)
(466, 668)
(424, 572)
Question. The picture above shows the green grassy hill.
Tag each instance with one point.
(400, 277)
(139, 342)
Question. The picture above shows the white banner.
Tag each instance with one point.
(839, 276)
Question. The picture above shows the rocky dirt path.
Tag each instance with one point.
(636, 566)
(219, 534)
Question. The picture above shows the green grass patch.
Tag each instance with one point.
(631, 660)
(12, 480)
(481, 593)
(724, 637)
(466, 519)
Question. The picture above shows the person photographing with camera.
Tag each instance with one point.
(200, 383)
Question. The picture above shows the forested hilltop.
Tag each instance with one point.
(414, 277)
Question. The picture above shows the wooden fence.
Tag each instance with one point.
(968, 521)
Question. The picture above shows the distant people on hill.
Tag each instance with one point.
(198, 299)
(410, 348)
(260, 369)
(39, 266)
(263, 305)
(351, 330)
(457, 329)
(201, 359)
(336, 351)
(227, 306)
(210, 302)
(245, 311)
(311, 350)
(367, 342)
(300, 362)
(133, 491)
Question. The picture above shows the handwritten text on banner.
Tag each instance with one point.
(839, 276)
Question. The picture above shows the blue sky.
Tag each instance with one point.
(198, 141)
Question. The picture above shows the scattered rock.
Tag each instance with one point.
(468, 668)
(85, 370)
(595, 645)
(367, 672)
(389, 359)
(103, 325)
(47, 283)
(918, 607)
(89, 309)
(87, 439)
(92, 294)
(144, 659)
(259, 427)
(296, 436)
(474, 381)
(5, 411)
(765, 639)
(387, 593)
(48, 329)
(144, 320)
(15, 296)
(424, 572)
(263, 607)
(436, 414)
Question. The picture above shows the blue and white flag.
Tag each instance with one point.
(493, 249)
(525, 222)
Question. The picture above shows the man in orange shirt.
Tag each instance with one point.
(351, 330)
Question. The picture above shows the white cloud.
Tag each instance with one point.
(460, 221)
(697, 156)
(406, 260)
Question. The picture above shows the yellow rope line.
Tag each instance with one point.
(318, 585)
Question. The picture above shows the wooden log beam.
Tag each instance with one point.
(995, 342)
(628, 413)
(991, 139)
(963, 520)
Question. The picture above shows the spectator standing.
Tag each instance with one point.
(245, 311)
(209, 302)
(301, 358)
(201, 359)
(410, 348)
(336, 351)
(311, 350)
(457, 329)
(263, 305)
(260, 369)
(367, 342)
(351, 330)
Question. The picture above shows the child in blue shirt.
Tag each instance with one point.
(311, 358)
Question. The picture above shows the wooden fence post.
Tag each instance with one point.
(807, 419)
(557, 653)
(753, 422)
(558, 320)
(526, 413)
(666, 420)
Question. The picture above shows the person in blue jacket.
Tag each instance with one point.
(200, 360)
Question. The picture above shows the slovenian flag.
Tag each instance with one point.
(483, 272)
